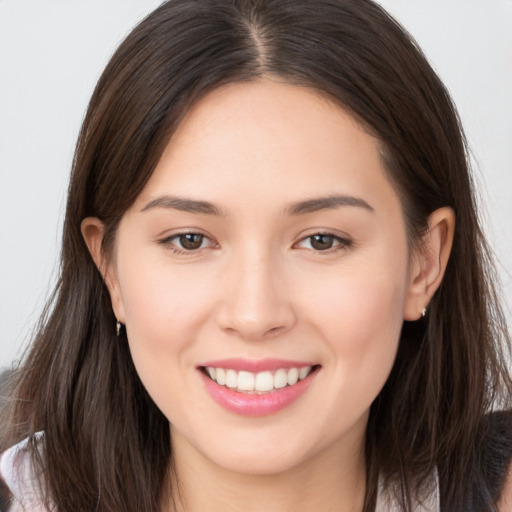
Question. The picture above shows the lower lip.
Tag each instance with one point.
(246, 404)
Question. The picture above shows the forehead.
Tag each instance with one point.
(271, 139)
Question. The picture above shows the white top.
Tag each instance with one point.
(17, 472)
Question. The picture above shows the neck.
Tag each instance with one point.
(334, 479)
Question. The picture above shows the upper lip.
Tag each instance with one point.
(255, 365)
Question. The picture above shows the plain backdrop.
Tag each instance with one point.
(53, 51)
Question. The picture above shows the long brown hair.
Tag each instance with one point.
(107, 446)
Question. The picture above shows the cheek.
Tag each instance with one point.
(360, 320)
(161, 325)
(164, 314)
(363, 322)
(360, 300)
(161, 303)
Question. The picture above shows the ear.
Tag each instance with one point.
(92, 231)
(428, 262)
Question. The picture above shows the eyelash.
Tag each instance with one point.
(169, 243)
(340, 243)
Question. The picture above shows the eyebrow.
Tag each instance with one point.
(183, 204)
(298, 208)
(326, 203)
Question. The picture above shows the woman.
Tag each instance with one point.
(274, 290)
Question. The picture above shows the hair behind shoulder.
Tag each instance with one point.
(107, 446)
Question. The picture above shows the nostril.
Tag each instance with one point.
(254, 330)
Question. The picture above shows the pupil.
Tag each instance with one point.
(191, 241)
(322, 242)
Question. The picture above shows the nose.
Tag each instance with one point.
(256, 300)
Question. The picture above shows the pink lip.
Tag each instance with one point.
(246, 404)
(255, 366)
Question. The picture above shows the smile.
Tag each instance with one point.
(256, 388)
(261, 382)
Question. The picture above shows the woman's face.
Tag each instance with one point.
(270, 246)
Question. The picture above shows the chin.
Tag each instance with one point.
(260, 463)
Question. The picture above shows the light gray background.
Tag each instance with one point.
(52, 52)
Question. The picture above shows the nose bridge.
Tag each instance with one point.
(255, 300)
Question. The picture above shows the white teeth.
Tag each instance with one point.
(264, 382)
(303, 373)
(293, 376)
(246, 381)
(231, 379)
(280, 378)
(220, 376)
(261, 382)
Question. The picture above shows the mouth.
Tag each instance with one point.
(242, 381)
(270, 387)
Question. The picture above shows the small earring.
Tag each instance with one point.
(118, 328)
(424, 312)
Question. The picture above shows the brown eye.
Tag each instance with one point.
(188, 243)
(191, 241)
(322, 242)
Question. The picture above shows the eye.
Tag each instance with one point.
(324, 242)
(187, 242)
(190, 241)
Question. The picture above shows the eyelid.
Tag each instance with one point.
(167, 241)
(344, 242)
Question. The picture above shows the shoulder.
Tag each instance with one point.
(505, 499)
(487, 481)
(17, 471)
(495, 454)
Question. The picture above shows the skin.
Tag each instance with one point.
(257, 287)
(505, 501)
